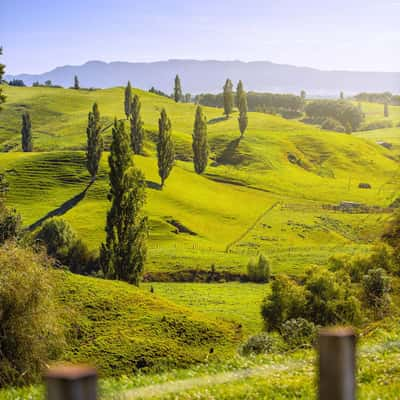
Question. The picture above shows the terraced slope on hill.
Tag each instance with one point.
(220, 218)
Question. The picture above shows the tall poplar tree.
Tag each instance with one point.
(243, 120)
(2, 68)
(76, 83)
(386, 109)
(123, 254)
(228, 98)
(200, 143)
(177, 89)
(137, 131)
(128, 100)
(165, 147)
(94, 141)
(26, 133)
(239, 92)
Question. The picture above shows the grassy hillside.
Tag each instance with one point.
(122, 329)
(263, 193)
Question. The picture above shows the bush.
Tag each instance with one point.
(376, 286)
(260, 344)
(62, 243)
(259, 271)
(331, 124)
(58, 237)
(298, 332)
(287, 300)
(10, 224)
(30, 330)
(80, 260)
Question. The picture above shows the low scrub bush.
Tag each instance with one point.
(298, 332)
(261, 343)
(10, 224)
(31, 333)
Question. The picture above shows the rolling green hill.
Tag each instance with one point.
(264, 193)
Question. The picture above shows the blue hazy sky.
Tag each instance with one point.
(38, 35)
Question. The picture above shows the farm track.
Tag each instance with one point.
(251, 227)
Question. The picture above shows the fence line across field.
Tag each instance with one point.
(336, 374)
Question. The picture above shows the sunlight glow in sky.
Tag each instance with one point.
(347, 35)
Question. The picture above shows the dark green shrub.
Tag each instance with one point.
(58, 237)
(330, 298)
(376, 286)
(260, 344)
(259, 271)
(331, 124)
(287, 300)
(80, 259)
(298, 332)
(10, 224)
(31, 333)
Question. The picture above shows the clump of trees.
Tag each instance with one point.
(124, 253)
(158, 92)
(200, 142)
(94, 147)
(259, 270)
(26, 132)
(385, 97)
(17, 82)
(165, 147)
(323, 298)
(348, 115)
(177, 89)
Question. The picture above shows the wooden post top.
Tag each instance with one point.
(70, 372)
(337, 331)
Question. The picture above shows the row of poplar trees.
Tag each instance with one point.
(240, 101)
(123, 254)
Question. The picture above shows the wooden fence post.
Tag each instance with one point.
(71, 383)
(337, 364)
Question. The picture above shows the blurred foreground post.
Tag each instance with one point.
(337, 364)
(71, 383)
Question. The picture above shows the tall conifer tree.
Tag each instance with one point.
(200, 144)
(177, 89)
(228, 98)
(165, 147)
(124, 253)
(243, 120)
(239, 92)
(76, 83)
(386, 109)
(94, 141)
(26, 133)
(2, 68)
(137, 131)
(128, 100)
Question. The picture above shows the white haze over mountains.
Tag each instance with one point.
(209, 76)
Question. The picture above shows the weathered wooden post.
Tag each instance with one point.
(337, 364)
(71, 383)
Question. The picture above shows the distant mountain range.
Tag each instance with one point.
(209, 76)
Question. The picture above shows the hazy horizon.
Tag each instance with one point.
(343, 36)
